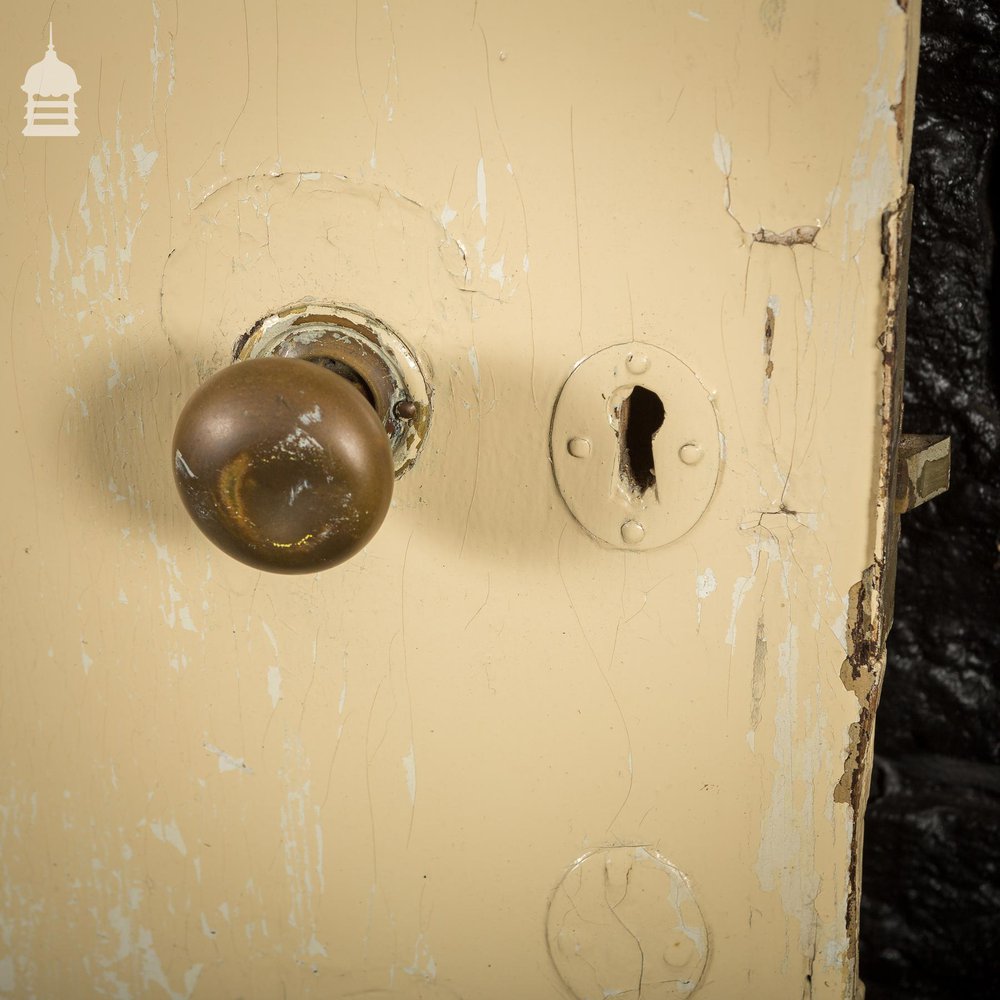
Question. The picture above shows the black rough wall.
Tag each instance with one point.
(930, 915)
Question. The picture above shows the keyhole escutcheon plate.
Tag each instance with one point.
(636, 448)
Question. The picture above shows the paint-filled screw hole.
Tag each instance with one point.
(640, 418)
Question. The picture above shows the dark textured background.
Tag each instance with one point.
(930, 924)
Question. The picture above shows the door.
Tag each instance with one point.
(591, 715)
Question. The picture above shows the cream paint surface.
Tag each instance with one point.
(372, 781)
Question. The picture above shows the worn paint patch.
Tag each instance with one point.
(758, 681)
(787, 824)
(410, 768)
(771, 14)
(722, 153)
(169, 833)
(144, 159)
(7, 980)
(274, 685)
(705, 585)
(227, 762)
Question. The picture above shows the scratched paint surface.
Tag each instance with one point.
(372, 781)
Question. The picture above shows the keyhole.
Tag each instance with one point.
(640, 418)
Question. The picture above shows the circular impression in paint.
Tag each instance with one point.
(372, 985)
(415, 991)
(624, 923)
(635, 446)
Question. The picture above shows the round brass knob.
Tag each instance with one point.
(283, 464)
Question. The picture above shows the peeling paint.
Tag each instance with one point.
(796, 236)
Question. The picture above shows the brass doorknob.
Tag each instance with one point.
(284, 464)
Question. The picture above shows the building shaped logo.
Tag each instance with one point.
(51, 88)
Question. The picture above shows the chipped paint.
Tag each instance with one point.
(227, 762)
(169, 833)
(796, 236)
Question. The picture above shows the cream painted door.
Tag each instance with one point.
(497, 754)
